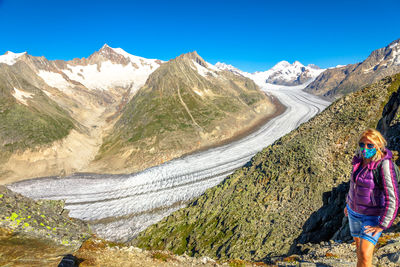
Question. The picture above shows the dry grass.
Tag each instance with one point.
(162, 256)
(331, 255)
(293, 258)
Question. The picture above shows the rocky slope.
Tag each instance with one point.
(262, 209)
(336, 82)
(36, 233)
(339, 254)
(39, 233)
(28, 116)
(186, 104)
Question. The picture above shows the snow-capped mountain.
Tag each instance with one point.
(10, 58)
(223, 66)
(283, 73)
(108, 68)
(288, 74)
(111, 67)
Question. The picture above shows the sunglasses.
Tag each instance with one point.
(362, 145)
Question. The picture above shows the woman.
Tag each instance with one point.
(371, 204)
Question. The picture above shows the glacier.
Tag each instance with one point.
(118, 207)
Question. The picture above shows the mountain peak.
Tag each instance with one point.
(10, 58)
(195, 57)
(108, 53)
(9, 53)
(191, 55)
(284, 73)
(281, 64)
(105, 46)
(394, 44)
(105, 49)
(227, 67)
(313, 66)
(224, 66)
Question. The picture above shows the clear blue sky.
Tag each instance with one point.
(250, 34)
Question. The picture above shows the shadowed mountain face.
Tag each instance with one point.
(336, 82)
(186, 104)
(260, 210)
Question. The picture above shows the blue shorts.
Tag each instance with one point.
(357, 223)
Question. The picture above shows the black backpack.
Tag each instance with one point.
(378, 177)
(69, 261)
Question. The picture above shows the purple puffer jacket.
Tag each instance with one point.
(366, 198)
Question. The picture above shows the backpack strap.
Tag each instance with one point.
(378, 175)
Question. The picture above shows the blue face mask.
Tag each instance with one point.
(368, 152)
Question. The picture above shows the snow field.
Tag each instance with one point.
(21, 96)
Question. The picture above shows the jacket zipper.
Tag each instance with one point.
(373, 198)
(372, 193)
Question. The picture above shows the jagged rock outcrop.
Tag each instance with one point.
(42, 219)
(259, 211)
(336, 82)
(186, 104)
(389, 124)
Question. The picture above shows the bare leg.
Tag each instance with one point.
(357, 240)
(365, 252)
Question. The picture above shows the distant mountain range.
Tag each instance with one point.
(283, 73)
(161, 110)
(99, 113)
(336, 82)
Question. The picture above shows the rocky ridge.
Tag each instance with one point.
(42, 219)
(250, 215)
(336, 82)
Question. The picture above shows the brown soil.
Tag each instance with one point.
(17, 250)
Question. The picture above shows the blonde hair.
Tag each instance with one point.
(377, 139)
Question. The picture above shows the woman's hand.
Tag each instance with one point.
(373, 229)
(345, 211)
